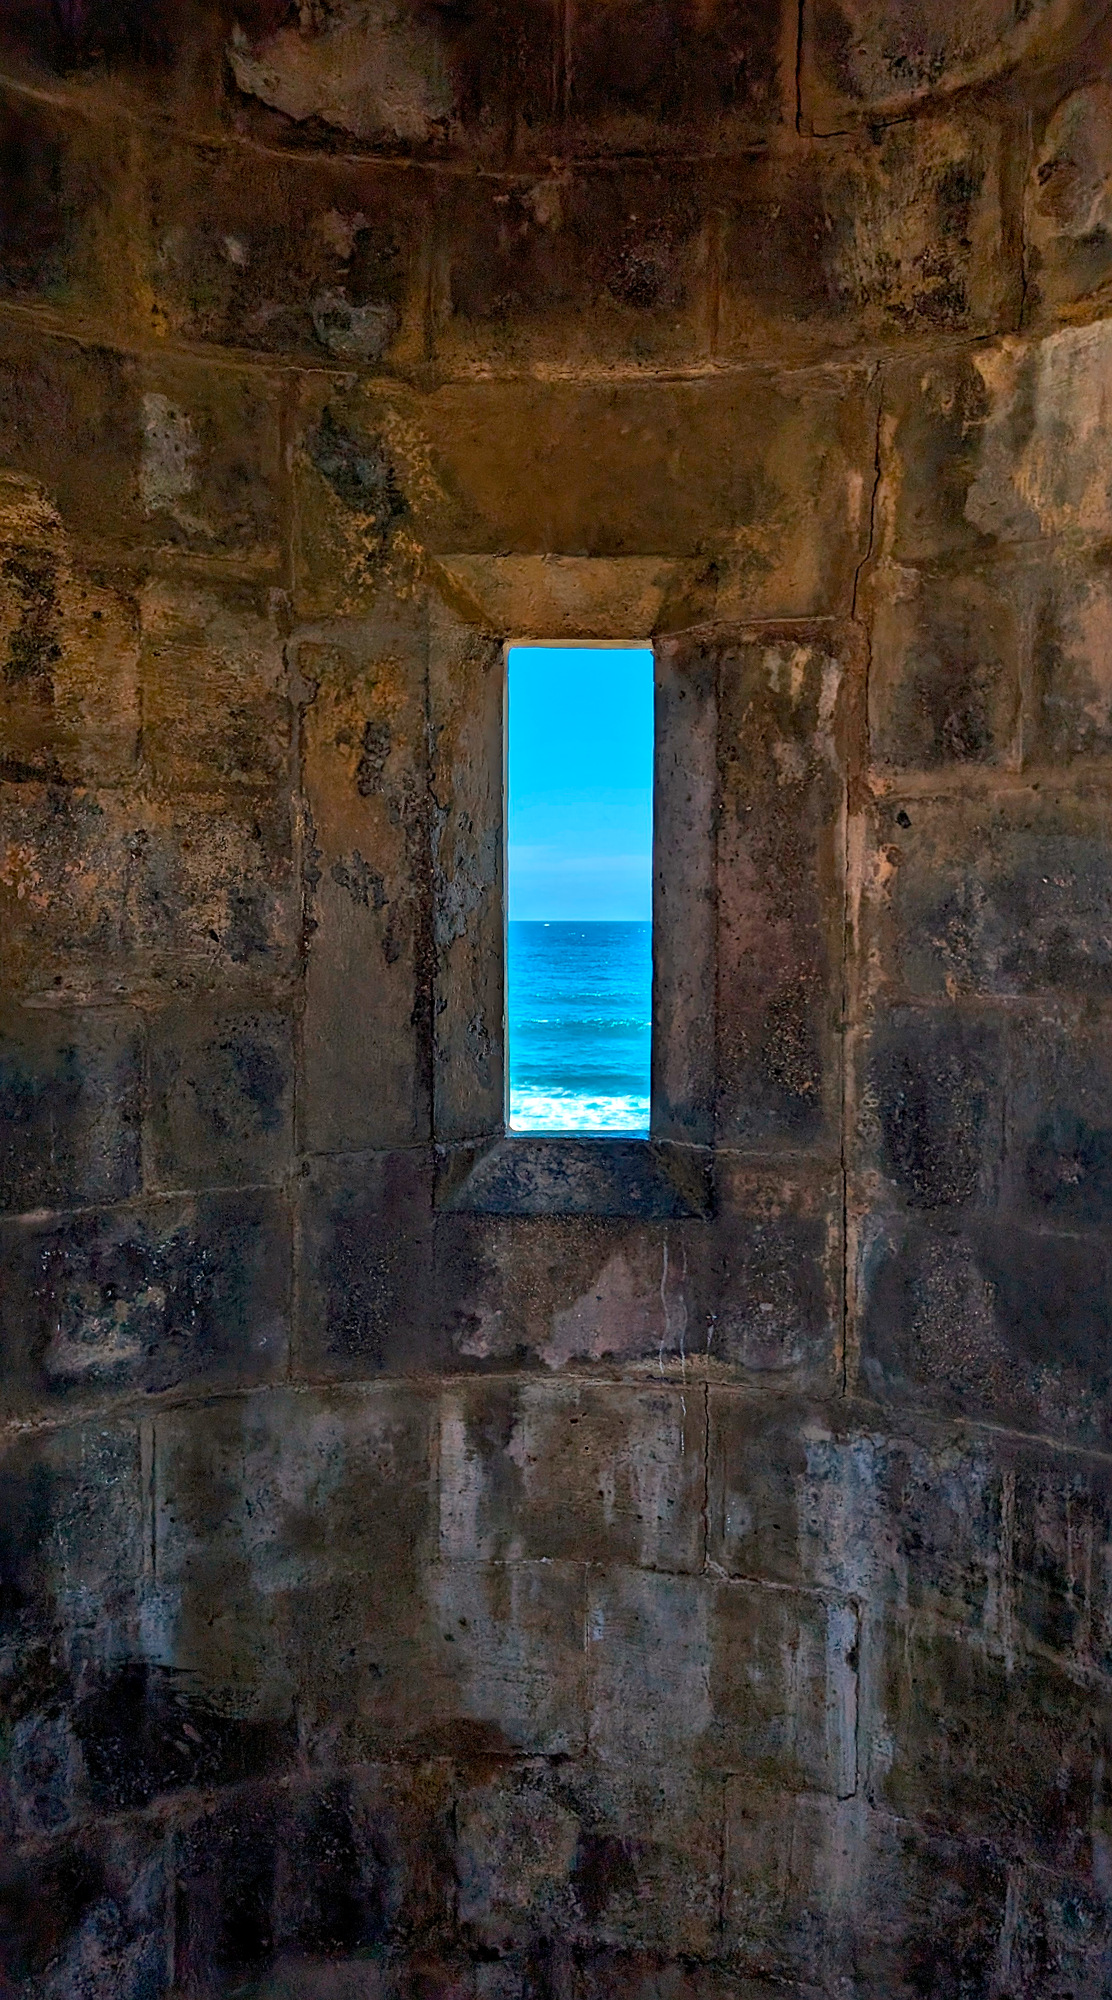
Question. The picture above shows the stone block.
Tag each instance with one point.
(591, 1856)
(927, 1905)
(685, 804)
(215, 706)
(867, 239)
(371, 498)
(783, 1855)
(601, 265)
(773, 1306)
(998, 1320)
(572, 1471)
(1059, 1120)
(998, 1539)
(991, 1748)
(69, 683)
(1068, 205)
(782, 714)
(931, 1109)
(69, 1107)
(367, 1305)
(63, 873)
(148, 1299)
(649, 1649)
(63, 176)
(946, 661)
(88, 1913)
(860, 57)
(997, 447)
(287, 254)
(783, 1689)
(641, 68)
(508, 1650)
(210, 463)
(1004, 896)
(220, 1097)
(507, 78)
(103, 892)
(784, 511)
(369, 970)
(728, 1676)
(311, 1886)
(569, 1289)
(73, 1554)
(549, 1174)
(210, 879)
(276, 1503)
(467, 679)
(170, 456)
(1071, 643)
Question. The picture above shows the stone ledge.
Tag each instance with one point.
(538, 1174)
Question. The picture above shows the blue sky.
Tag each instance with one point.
(580, 784)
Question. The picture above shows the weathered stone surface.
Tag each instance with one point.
(610, 264)
(171, 456)
(556, 1175)
(1070, 719)
(1059, 1119)
(946, 667)
(782, 708)
(509, 76)
(215, 704)
(570, 1290)
(1068, 210)
(149, 1298)
(785, 511)
(1032, 1307)
(321, 258)
(87, 1914)
(1000, 1540)
(367, 883)
(1000, 446)
(467, 834)
(699, 1666)
(64, 189)
(1005, 895)
(69, 684)
(365, 1303)
(932, 1111)
(571, 1471)
(69, 1108)
(220, 1097)
(868, 239)
(865, 56)
(774, 1312)
(1025, 1777)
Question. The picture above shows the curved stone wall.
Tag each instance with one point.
(403, 1593)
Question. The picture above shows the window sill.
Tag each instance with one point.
(549, 1174)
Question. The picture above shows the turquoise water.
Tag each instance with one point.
(580, 1010)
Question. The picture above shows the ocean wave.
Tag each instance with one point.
(576, 1111)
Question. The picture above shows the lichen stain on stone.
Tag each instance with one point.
(362, 476)
(360, 881)
(369, 68)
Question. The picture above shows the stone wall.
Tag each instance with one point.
(426, 1572)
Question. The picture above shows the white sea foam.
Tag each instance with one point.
(576, 1111)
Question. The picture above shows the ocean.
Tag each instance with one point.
(580, 1011)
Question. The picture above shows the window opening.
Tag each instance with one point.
(579, 902)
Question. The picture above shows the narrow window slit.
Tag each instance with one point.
(579, 933)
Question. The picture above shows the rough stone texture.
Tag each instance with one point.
(441, 1567)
